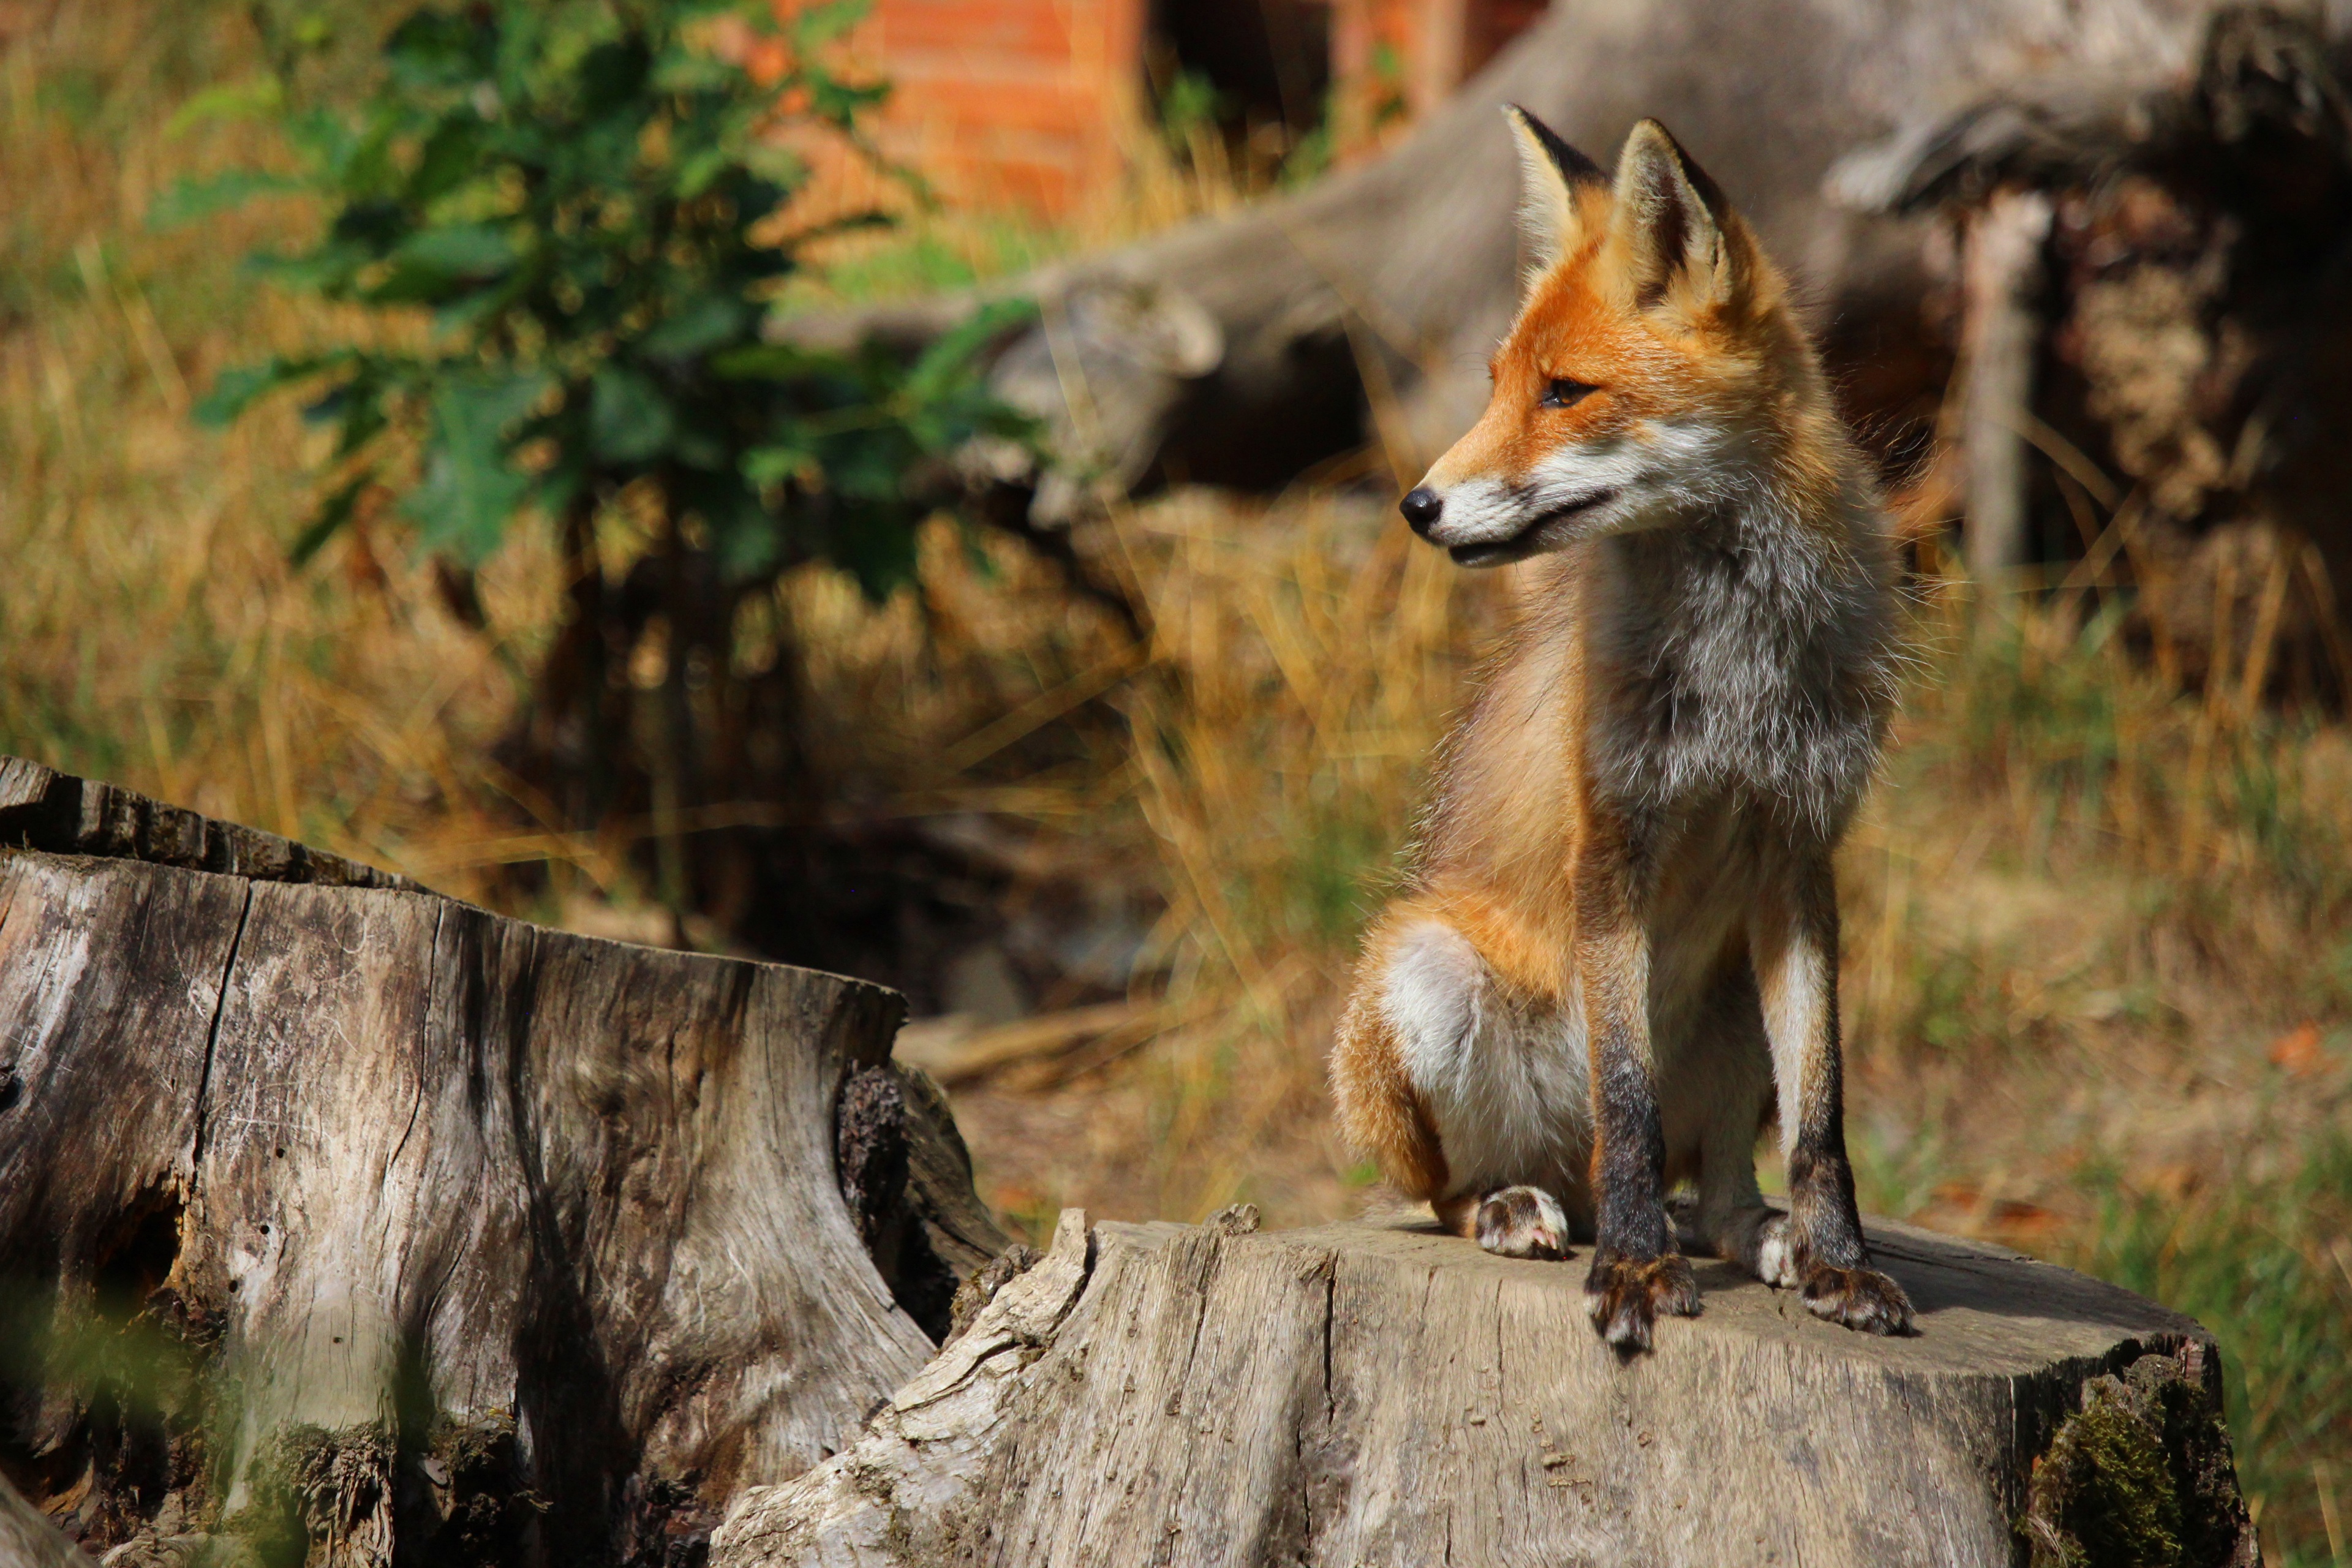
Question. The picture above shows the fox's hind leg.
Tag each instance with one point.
(1519, 1221)
(1735, 1071)
(1381, 1112)
(1419, 1038)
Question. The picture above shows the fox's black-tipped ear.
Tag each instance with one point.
(1549, 173)
(1675, 222)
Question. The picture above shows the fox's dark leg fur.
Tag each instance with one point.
(1731, 1210)
(1818, 1248)
(1636, 1272)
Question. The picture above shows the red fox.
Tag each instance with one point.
(1620, 932)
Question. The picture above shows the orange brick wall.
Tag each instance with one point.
(1035, 103)
(1025, 103)
(1410, 48)
(1429, 48)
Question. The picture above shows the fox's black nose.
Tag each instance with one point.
(1421, 508)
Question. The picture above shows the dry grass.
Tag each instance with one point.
(155, 631)
(2099, 956)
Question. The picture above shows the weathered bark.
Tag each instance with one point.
(28, 1539)
(362, 1227)
(41, 808)
(2192, 370)
(1242, 350)
(361, 1222)
(1378, 1394)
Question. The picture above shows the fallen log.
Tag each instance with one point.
(2155, 296)
(1242, 350)
(1376, 1393)
(354, 1223)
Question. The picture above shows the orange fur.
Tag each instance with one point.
(1576, 901)
(1381, 1111)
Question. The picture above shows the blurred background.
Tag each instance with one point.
(1098, 734)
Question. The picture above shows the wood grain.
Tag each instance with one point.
(1378, 1394)
(431, 1209)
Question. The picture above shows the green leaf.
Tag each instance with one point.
(469, 492)
(451, 156)
(948, 360)
(817, 25)
(699, 170)
(248, 98)
(780, 462)
(700, 326)
(770, 361)
(629, 420)
(481, 407)
(189, 199)
(468, 497)
(441, 48)
(866, 470)
(328, 269)
(470, 250)
(553, 490)
(235, 389)
(356, 407)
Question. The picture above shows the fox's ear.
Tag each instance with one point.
(1550, 171)
(1677, 229)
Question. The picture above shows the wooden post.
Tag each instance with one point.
(2001, 276)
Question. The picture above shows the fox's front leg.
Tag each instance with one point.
(1817, 1248)
(1636, 1272)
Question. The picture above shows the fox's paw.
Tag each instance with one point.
(1625, 1296)
(1522, 1222)
(1859, 1298)
(1778, 1261)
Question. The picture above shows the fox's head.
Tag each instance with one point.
(1645, 378)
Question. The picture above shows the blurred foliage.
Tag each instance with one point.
(582, 195)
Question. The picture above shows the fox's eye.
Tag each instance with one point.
(1566, 394)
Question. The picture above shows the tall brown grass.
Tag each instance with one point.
(2098, 966)
(153, 630)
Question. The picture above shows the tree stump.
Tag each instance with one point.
(354, 1222)
(1377, 1392)
(343, 1224)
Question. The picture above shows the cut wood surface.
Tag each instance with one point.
(41, 808)
(454, 1236)
(1379, 1393)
